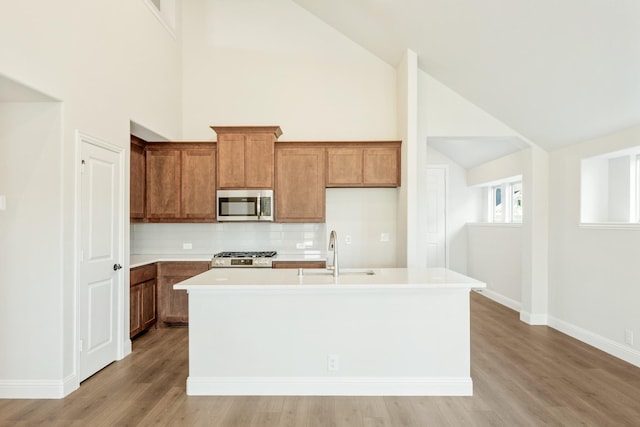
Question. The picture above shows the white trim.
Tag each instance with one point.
(500, 299)
(329, 386)
(447, 245)
(495, 224)
(610, 225)
(37, 389)
(607, 345)
(534, 319)
(122, 338)
(161, 18)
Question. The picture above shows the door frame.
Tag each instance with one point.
(447, 245)
(122, 313)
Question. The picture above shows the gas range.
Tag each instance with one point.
(263, 259)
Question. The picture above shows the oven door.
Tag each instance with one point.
(245, 205)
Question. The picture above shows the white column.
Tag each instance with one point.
(535, 237)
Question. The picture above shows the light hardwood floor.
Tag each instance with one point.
(523, 376)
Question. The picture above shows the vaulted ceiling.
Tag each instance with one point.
(556, 71)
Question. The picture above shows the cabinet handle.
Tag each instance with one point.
(116, 267)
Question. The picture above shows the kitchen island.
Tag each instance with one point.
(391, 331)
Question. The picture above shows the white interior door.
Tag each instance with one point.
(436, 217)
(100, 273)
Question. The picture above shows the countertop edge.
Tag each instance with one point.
(139, 260)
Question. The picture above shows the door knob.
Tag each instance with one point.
(116, 267)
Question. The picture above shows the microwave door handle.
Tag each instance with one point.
(259, 205)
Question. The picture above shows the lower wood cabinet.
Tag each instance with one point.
(173, 305)
(299, 264)
(142, 299)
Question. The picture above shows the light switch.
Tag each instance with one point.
(3, 203)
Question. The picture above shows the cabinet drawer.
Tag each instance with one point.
(142, 274)
(182, 268)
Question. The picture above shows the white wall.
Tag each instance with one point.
(449, 114)
(444, 113)
(463, 206)
(497, 170)
(257, 63)
(273, 63)
(495, 257)
(108, 63)
(593, 272)
(364, 215)
(495, 251)
(30, 178)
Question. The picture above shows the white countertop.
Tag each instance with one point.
(144, 259)
(254, 278)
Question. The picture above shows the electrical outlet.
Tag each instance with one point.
(384, 237)
(347, 239)
(628, 336)
(333, 362)
(187, 246)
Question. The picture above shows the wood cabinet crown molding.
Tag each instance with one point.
(275, 130)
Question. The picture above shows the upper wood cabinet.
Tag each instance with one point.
(198, 188)
(372, 164)
(246, 156)
(137, 179)
(300, 183)
(181, 182)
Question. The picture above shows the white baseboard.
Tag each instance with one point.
(501, 299)
(329, 386)
(37, 389)
(534, 319)
(611, 347)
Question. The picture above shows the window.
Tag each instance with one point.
(505, 201)
(610, 187)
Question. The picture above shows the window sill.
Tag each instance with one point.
(610, 225)
(495, 224)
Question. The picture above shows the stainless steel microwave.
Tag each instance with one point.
(245, 205)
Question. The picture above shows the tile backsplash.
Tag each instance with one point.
(364, 218)
(162, 238)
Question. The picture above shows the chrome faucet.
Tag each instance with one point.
(333, 246)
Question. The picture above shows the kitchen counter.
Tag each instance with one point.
(139, 260)
(251, 278)
(397, 332)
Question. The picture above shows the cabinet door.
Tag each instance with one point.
(163, 183)
(231, 160)
(148, 303)
(198, 189)
(135, 323)
(137, 181)
(258, 164)
(344, 167)
(300, 185)
(381, 167)
(173, 305)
